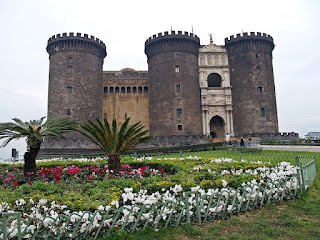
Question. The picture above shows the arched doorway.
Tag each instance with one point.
(217, 127)
(214, 80)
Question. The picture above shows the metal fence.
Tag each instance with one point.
(191, 207)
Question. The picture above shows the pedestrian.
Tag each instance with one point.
(242, 142)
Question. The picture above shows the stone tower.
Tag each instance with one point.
(75, 87)
(252, 81)
(174, 92)
(75, 76)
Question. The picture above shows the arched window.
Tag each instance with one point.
(145, 89)
(134, 89)
(117, 90)
(140, 89)
(123, 90)
(214, 80)
(128, 89)
(111, 90)
(105, 89)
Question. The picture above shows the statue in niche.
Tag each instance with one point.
(201, 60)
(224, 60)
(209, 60)
(216, 60)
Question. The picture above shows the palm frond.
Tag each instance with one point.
(35, 130)
(114, 139)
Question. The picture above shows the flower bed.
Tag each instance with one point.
(197, 190)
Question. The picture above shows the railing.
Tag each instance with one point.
(189, 208)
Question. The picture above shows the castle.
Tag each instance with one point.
(190, 93)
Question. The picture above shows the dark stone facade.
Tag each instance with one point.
(252, 82)
(174, 92)
(75, 80)
(171, 92)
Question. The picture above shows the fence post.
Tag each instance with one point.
(4, 227)
(187, 208)
(5, 223)
(299, 173)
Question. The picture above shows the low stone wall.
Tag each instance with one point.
(83, 146)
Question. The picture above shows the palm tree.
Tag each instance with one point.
(35, 131)
(114, 140)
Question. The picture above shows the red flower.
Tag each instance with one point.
(90, 177)
(15, 183)
(74, 170)
(57, 177)
(162, 170)
(29, 183)
(57, 181)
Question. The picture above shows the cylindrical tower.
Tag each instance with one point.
(174, 92)
(252, 82)
(75, 76)
(75, 88)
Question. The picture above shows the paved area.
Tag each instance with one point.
(292, 148)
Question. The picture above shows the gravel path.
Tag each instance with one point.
(292, 148)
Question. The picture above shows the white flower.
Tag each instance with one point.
(100, 208)
(224, 183)
(115, 203)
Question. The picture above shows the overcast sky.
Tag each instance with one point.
(125, 25)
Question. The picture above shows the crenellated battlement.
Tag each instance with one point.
(248, 36)
(172, 35)
(78, 36)
(172, 42)
(76, 42)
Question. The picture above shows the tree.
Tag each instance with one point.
(114, 140)
(35, 131)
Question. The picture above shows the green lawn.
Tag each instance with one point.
(296, 219)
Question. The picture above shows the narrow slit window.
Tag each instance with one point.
(70, 60)
(70, 70)
(259, 89)
(68, 112)
(178, 88)
(69, 90)
(179, 112)
(262, 112)
(258, 69)
(177, 69)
